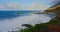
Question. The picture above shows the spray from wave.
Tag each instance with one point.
(15, 23)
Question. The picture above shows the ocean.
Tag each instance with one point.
(12, 14)
(12, 20)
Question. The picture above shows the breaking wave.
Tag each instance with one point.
(15, 23)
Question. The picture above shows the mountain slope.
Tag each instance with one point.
(51, 26)
(54, 9)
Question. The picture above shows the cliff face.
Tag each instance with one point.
(55, 9)
(56, 26)
(52, 26)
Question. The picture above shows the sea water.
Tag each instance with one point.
(11, 21)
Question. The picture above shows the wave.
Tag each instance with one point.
(15, 23)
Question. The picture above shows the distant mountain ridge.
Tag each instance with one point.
(56, 4)
(54, 8)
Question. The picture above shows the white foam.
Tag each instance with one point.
(13, 24)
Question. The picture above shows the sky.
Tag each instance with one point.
(26, 4)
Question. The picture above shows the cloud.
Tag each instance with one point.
(10, 6)
(54, 1)
(34, 6)
(39, 5)
(13, 5)
(1, 6)
(16, 6)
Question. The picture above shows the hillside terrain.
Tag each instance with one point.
(52, 26)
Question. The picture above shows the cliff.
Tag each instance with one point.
(55, 9)
(52, 26)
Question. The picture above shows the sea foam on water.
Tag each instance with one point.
(15, 23)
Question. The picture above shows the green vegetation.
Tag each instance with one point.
(40, 27)
(44, 27)
(54, 22)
